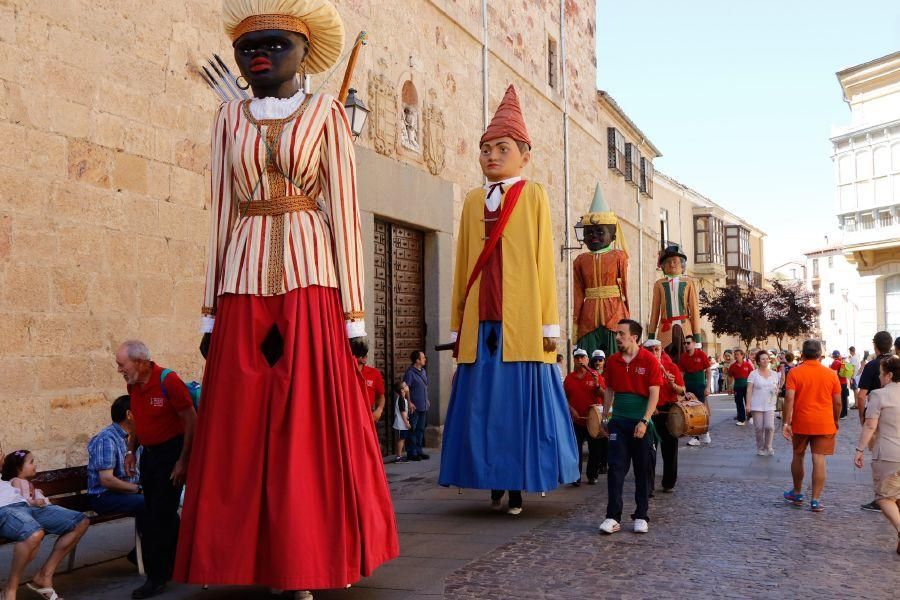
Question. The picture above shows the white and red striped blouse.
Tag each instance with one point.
(267, 255)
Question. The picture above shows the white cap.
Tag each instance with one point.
(579, 352)
(599, 353)
(652, 343)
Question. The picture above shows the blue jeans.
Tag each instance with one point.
(110, 502)
(20, 521)
(417, 422)
(626, 450)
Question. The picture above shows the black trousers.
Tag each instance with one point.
(515, 497)
(845, 400)
(161, 498)
(740, 398)
(598, 449)
(626, 450)
(668, 445)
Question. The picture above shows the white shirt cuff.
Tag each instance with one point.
(206, 324)
(356, 329)
(454, 336)
(551, 331)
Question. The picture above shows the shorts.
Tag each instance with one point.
(20, 521)
(886, 478)
(818, 444)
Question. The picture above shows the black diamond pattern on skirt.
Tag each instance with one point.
(273, 346)
(492, 342)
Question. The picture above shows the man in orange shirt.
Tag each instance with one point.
(812, 407)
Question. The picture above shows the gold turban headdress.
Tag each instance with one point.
(600, 214)
(318, 20)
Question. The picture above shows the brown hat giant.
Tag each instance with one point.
(317, 20)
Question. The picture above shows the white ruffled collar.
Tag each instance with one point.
(276, 108)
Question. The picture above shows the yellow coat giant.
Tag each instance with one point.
(529, 277)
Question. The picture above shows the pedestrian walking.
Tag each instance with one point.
(714, 370)
(584, 388)
(844, 371)
(633, 378)
(670, 391)
(883, 425)
(416, 379)
(164, 420)
(870, 381)
(695, 366)
(762, 394)
(854, 360)
(812, 409)
(738, 373)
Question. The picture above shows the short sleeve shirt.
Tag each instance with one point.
(155, 412)
(694, 363)
(636, 377)
(374, 383)
(814, 386)
(836, 365)
(666, 394)
(884, 405)
(740, 370)
(106, 451)
(869, 379)
(582, 392)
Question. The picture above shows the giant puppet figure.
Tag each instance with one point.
(675, 313)
(600, 282)
(286, 486)
(508, 425)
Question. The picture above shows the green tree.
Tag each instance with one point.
(737, 311)
(791, 313)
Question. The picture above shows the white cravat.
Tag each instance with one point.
(495, 191)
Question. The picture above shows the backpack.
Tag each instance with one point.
(193, 388)
(846, 370)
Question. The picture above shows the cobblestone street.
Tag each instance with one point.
(725, 532)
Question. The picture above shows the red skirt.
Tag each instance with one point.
(286, 485)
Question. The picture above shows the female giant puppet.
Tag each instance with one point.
(286, 484)
(508, 425)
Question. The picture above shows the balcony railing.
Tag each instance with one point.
(742, 277)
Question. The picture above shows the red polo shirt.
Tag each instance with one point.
(374, 383)
(666, 394)
(156, 417)
(583, 392)
(836, 367)
(740, 370)
(693, 363)
(636, 377)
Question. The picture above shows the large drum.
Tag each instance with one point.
(688, 417)
(594, 418)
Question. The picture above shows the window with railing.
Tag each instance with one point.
(709, 240)
(646, 185)
(816, 267)
(632, 164)
(736, 276)
(885, 218)
(737, 247)
(663, 228)
(867, 222)
(757, 279)
(848, 222)
(616, 150)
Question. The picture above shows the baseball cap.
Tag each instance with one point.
(836, 354)
(652, 343)
(599, 353)
(580, 352)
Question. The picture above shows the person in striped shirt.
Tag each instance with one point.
(283, 306)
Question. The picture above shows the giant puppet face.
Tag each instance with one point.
(598, 237)
(673, 265)
(503, 158)
(269, 58)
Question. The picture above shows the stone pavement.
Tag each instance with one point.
(724, 532)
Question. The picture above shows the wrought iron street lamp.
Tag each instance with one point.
(357, 113)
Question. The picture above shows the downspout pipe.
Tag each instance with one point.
(484, 64)
(637, 196)
(566, 183)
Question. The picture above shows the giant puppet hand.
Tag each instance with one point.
(549, 344)
(204, 344)
(359, 346)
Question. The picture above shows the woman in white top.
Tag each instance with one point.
(883, 422)
(762, 394)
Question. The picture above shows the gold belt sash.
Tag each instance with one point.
(604, 291)
(277, 206)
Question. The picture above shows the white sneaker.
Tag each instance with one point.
(694, 441)
(706, 439)
(641, 526)
(740, 423)
(750, 420)
(770, 452)
(609, 526)
(762, 453)
(514, 511)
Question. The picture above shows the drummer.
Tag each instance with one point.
(584, 387)
(669, 391)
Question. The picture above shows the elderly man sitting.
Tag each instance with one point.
(110, 488)
(27, 525)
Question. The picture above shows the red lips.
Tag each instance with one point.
(260, 63)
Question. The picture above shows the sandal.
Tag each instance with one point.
(816, 506)
(795, 499)
(47, 593)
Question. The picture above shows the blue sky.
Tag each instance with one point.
(740, 98)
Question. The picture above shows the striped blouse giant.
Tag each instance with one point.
(311, 164)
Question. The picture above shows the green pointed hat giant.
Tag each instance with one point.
(600, 214)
